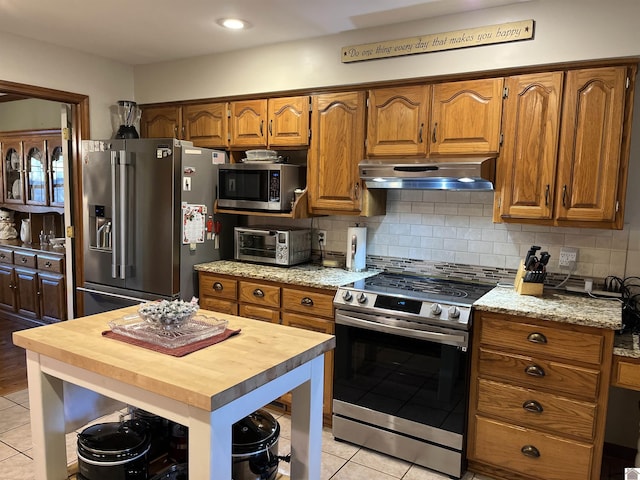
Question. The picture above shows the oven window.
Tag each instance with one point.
(417, 380)
(244, 185)
(255, 245)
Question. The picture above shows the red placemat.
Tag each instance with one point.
(178, 351)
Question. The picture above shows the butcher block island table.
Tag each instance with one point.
(207, 390)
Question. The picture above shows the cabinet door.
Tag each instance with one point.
(53, 305)
(55, 171)
(525, 182)
(161, 122)
(36, 191)
(206, 125)
(27, 297)
(12, 170)
(7, 288)
(591, 139)
(337, 145)
(288, 121)
(247, 123)
(397, 121)
(465, 117)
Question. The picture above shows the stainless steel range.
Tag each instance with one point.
(401, 367)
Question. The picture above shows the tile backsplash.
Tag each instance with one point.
(451, 227)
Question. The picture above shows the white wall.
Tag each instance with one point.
(31, 114)
(36, 63)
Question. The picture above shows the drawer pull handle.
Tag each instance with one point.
(3, 256)
(534, 371)
(532, 406)
(23, 259)
(307, 302)
(217, 286)
(530, 451)
(258, 293)
(47, 264)
(537, 338)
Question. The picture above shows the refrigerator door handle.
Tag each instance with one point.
(116, 231)
(123, 214)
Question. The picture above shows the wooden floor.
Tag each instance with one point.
(13, 368)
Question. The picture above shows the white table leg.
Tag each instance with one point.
(306, 424)
(46, 402)
(210, 445)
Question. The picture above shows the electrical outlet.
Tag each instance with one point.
(568, 257)
(321, 236)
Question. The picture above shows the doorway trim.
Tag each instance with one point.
(80, 130)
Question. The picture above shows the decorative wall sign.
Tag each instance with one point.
(471, 37)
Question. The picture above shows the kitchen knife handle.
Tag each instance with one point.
(420, 133)
(532, 406)
(564, 195)
(536, 337)
(534, 371)
(546, 196)
(530, 451)
(434, 138)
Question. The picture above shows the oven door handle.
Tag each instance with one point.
(457, 340)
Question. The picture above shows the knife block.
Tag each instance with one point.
(526, 288)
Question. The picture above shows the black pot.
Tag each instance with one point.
(255, 447)
(114, 451)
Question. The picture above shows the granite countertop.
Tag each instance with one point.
(554, 306)
(307, 275)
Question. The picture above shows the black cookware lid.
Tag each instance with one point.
(255, 432)
(115, 437)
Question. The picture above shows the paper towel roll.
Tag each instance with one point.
(356, 249)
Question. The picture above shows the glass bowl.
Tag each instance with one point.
(57, 242)
(167, 315)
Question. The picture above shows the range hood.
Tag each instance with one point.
(439, 173)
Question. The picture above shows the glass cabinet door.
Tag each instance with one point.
(36, 180)
(12, 171)
(56, 172)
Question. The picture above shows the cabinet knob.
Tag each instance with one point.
(536, 337)
(307, 302)
(23, 259)
(534, 371)
(3, 256)
(47, 264)
(530, 451)
(532, 406)
(217, 286)
(258, 293)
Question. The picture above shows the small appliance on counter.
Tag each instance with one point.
(129, 115)
(356, 249)
(273, 245)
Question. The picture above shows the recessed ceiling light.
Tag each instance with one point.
(233, 23)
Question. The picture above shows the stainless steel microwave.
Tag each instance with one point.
(264, 244)
(259, 186)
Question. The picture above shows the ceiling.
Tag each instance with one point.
(147, 31)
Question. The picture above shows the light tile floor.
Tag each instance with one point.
(340, 460)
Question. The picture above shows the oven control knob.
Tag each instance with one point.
(454, 312)
(346, 296)
(362, 298)
(436, 309)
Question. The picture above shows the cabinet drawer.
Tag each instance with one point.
(503, 444)
(50, 264)
(576, 346)
(218, 287)
(626, 373)
(259, 313)
(537, 373)
(317, 304)
(6, 255)
(536, 409)
(259, 294)
(308, 323)
(24, 259)
(217, 305)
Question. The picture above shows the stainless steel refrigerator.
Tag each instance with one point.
(147, 205)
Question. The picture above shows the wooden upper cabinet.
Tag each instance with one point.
(206, 124)
(398, 121)
(337, 145)
(589, 162)
(526, 173)
(161, 122)
(276, 122)
(465, 117)
(248, 123)
(288, 121)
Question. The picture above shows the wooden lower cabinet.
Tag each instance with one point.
(538, 398)
(286, 304)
